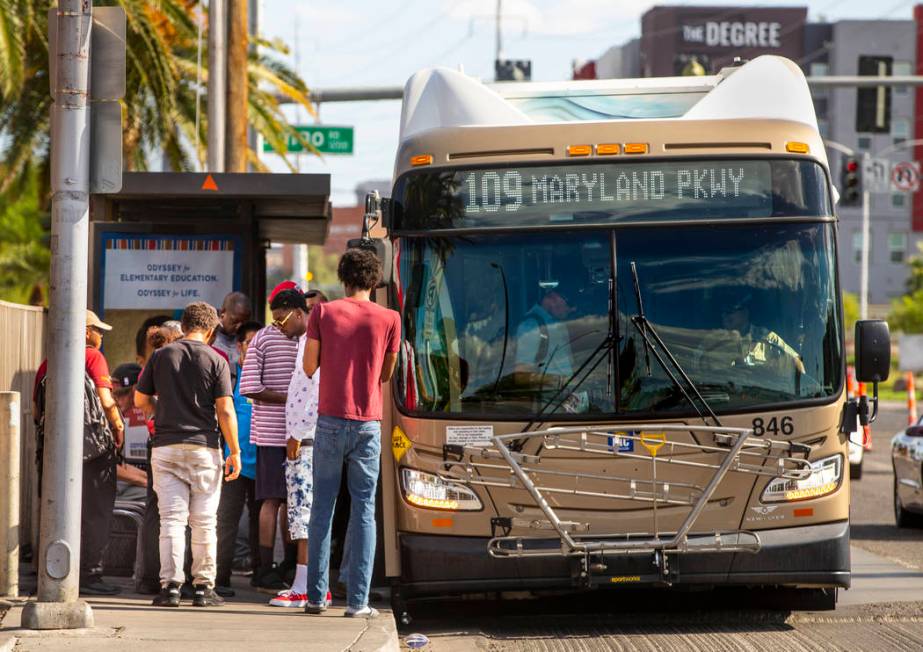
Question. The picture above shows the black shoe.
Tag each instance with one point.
(206, 597)
(186, 591)
(224, 591)
(286, 571)
(168, 597)
(270, 582)
(147, 587)
(95, 586)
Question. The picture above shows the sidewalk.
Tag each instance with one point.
(246, 622)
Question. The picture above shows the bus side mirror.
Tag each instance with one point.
(873, 351)
(873, 362)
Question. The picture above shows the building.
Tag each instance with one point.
(701, 40)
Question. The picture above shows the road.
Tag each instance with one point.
(883, 610)
(872, 508)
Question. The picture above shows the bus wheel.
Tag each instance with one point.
(399, 605)
(855, 471)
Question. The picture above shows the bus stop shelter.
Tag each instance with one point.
(167, 239)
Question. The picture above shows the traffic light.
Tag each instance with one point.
(850, 182)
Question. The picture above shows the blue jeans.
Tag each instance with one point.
(358, 444)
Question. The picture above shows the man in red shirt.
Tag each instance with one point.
(357, 342)
(99, 473)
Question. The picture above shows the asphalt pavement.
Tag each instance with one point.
(882, 611)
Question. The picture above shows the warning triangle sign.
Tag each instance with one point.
(209, 184)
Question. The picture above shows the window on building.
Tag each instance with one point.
(857, 247)
(901, 69)
(898, 200)
(900, 127)
(820, 107)
(864, 142)
(820, 69)
(897, 245)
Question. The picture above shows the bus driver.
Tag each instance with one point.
(544, 359)
(747, 344)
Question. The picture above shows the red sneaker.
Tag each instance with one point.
(289, 598)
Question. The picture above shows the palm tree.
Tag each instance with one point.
(159, 113)
(160, 104)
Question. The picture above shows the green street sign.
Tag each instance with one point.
(327, 140)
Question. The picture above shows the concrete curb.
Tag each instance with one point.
(7, 642)
(380, 635)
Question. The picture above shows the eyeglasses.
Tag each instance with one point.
(281, 324)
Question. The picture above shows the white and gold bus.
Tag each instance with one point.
(623, 352)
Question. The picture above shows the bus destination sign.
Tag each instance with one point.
(744, 185)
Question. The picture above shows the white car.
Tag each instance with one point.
(907, 458)
(856, 451)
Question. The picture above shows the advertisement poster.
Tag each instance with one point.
(166, 272)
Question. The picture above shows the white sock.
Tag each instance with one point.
(300, 585)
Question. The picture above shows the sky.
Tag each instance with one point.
(383, 42)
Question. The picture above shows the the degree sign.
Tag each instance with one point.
(326, 140)
(905, 176)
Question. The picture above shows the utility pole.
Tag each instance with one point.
(254, 8)
(866, 234)
(499, 21)
(217, 78)
(59, 554)
(237, 50)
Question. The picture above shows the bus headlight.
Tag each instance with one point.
(432, 492)
(825, 478)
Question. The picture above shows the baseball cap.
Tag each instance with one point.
(284, 285)
(126, 375)
(96, 322)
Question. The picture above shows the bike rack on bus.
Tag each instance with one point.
(737, 448)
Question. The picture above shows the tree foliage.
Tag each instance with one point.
(907, 311)
(158, 110)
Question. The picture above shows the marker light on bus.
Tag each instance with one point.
(825, 479)
(636, 148)
(579, 150)
(608, 149)
(797, 148)
(421, 159)
(432, 492)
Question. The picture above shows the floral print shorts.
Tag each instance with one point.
(300, 489)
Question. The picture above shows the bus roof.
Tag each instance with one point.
(769, 87)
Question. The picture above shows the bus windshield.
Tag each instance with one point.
(526, 325)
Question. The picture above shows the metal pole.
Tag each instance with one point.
(864, 272)
(217, 83)
(499, 29)
(59, 548)
(237, 82)
(9, 490)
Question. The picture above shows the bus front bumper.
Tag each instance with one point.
(808, 556)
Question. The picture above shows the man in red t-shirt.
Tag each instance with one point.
(99, 474)
(357, 342)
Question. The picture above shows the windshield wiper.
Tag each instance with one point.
(652, 340)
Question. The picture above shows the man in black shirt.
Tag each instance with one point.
(193, 388)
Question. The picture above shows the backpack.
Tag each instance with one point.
(97, 435)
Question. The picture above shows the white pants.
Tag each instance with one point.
(187, 479)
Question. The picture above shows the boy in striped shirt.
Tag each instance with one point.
(265, 378)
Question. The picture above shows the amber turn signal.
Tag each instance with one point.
(797, 148)
(421, 159)
(636, 148)
(579, 150)
(608, 149)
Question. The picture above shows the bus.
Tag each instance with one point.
(623, 358)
